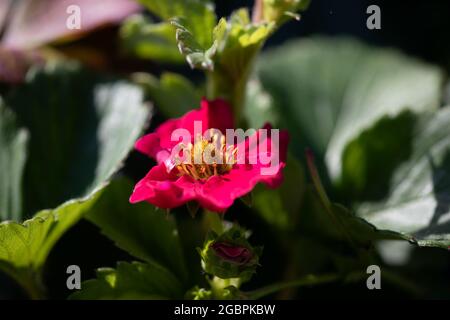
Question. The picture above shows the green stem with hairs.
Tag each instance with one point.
(310, 280)
(317, 182)
(218, 285)
(221, 85)
(29, 280)
(213, 221)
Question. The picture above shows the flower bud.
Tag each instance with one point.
(230, 255)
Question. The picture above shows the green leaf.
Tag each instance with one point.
(336, 224)
(259, 106)
(418, 204)
(146, 39)
(369, 160)
(330, 90)
(131, 281)
(322, 219)
(281, 207)
(28, 244)
(140, 229)
(198, 16)
(196, 55)
(81, 126)
(172, 94)
(24, 247)
(194, 21)
(239, 33)
(13, 143)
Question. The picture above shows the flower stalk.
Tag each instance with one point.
(221, 288)
(231, 86)
(213, 221)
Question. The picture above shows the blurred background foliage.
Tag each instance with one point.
(369, 104)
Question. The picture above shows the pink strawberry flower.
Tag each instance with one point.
(214, 186)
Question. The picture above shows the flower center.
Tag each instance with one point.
(207, 157)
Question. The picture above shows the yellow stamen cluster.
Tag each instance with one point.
(207, 158)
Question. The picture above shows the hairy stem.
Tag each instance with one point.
(325, 200)
(306, 281)
(30, 282)
(213, 221)
(218, 285)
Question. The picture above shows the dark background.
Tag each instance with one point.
(418, 28)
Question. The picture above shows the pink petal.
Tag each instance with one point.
(219, 192)
(163, 189)
(232, 253)
(255, 153)
(36, 22)
(212, 114)
(218, 114)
